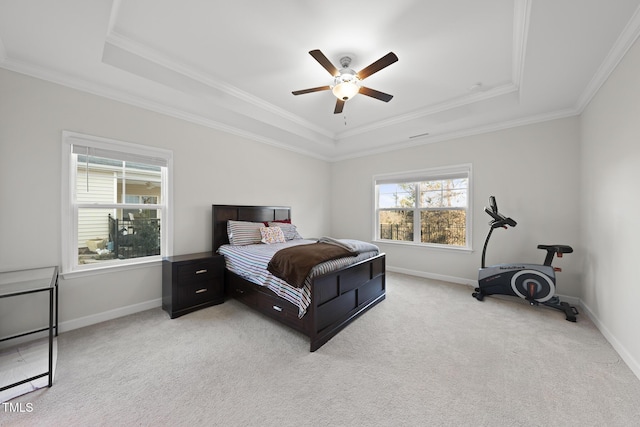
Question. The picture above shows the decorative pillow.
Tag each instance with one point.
(289, 230)
(272, 235)
(244, 232)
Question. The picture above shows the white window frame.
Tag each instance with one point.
(69, 226)
(420, 176)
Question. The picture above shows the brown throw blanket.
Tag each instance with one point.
(294, 264)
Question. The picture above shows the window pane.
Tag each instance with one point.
(110, 234)
(445, 193)
(139, 184)
(138, 213)
(446, 227)
(102, 180)
(396, 225)
(95, 179)
(396, 195)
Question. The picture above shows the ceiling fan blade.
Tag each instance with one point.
(339, 106)
(313, 89)
(381, 63)
(319, 56)
(375, 94)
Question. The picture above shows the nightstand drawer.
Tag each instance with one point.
(199, 293)
(197, 272)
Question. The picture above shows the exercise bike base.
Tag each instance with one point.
(569, 311)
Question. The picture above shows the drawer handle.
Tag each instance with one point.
(201, 271)
(240, 291)
(199, 291)
(276, 308)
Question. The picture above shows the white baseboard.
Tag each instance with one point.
(81, 322)
(631, 362)
(426, 275)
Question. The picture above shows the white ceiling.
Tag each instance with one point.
(465, 66)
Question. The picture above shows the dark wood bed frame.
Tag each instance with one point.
(337, 298)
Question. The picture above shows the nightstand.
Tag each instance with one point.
(191, 282)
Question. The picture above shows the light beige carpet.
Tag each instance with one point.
(429, 355)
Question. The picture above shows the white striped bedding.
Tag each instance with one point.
(250, 262)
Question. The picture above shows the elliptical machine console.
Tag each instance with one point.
(533, 282)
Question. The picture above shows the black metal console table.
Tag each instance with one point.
(31, 281)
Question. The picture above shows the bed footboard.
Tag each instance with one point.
(337, 299)
(340, 297)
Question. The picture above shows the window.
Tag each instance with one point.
(429, 207)
(118, 203)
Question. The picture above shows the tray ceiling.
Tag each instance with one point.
(464, 66)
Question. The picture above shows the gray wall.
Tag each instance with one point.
(532, 170)
(610, 159)
(209, 167)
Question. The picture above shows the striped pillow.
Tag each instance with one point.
(244, 232)
(290, 231)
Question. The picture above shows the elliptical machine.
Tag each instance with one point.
(533, 282)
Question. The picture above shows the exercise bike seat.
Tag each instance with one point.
(560, 249)
(553, 250)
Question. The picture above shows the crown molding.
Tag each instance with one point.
(137, 101)
(113, 16)
(521, 20)
(434, 109)
(146, 53)
(623, 43)
(470, 131)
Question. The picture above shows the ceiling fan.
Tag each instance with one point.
(346, 82)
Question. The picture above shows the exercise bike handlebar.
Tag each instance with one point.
(499, 220)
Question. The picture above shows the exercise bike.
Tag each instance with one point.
(533, 282)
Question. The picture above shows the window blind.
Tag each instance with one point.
(119, 155)
(421, 176)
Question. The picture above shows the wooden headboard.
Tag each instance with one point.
(222, 213)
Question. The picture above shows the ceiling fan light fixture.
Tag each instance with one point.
(346, 90)
(346, 84)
